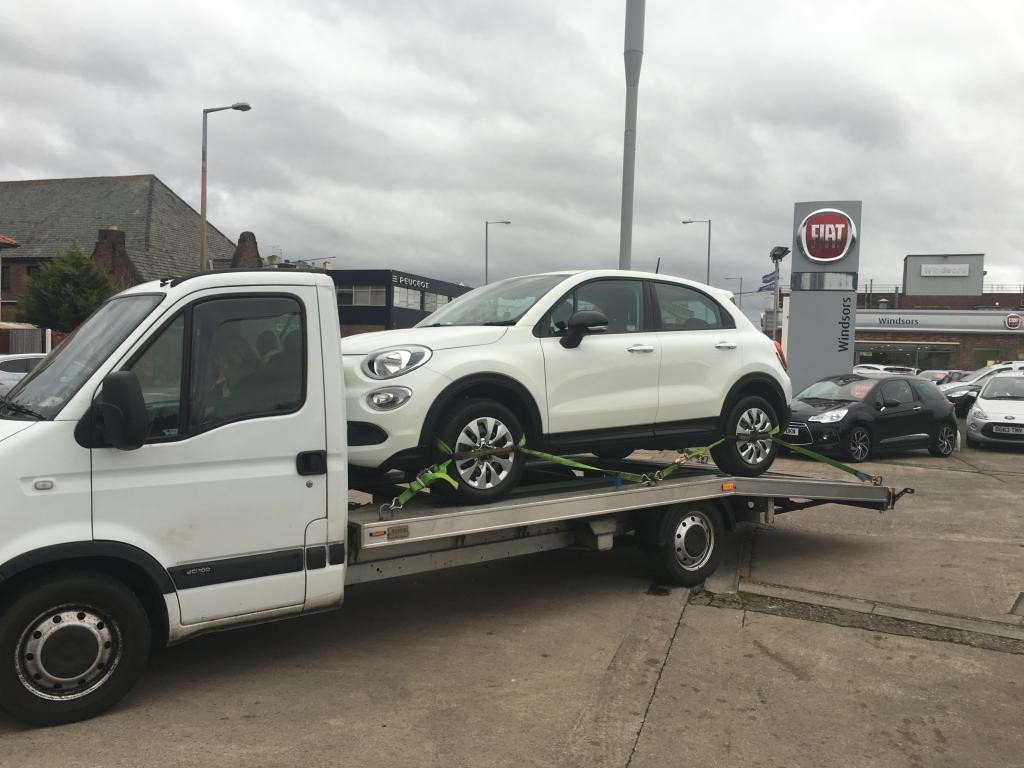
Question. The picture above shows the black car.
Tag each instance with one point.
(854, 415)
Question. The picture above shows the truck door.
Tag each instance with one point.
(233, 471)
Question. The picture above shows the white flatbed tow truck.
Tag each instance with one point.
(140, 501)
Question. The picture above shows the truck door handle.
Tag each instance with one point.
(311, 463)
(725, 345)
(640, 348)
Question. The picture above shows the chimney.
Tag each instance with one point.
(111, 256)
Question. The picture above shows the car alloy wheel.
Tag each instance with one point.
(944, 441)
(858, 444)
(484, 472)
(754, 421)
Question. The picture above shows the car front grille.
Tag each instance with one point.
(802, 436)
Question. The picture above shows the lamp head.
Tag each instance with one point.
(241, 106)
(778, 253)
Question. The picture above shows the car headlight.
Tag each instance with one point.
(830, 417)
(956, 393)
(977, 413)
(395, 361)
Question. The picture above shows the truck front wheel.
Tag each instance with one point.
(687, 545)
(71, 646)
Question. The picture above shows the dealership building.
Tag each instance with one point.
(383, 299)
(943, 316)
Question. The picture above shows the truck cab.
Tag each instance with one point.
(189, 438)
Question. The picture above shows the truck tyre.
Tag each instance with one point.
(943, 442)
(749, 415)
(687, 545)
(857, 444)
(71, 646)
(480, 424)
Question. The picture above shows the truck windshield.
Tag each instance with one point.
(45, 391)
(500, 303)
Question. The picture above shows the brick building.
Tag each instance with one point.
(135, 227)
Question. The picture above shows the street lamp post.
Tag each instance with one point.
(487, 225)
(740, 294)
(241, 106)
(707, 278)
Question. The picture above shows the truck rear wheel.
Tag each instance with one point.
(687, 545)
(71, 646)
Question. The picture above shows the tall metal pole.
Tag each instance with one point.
(707, 278)
(202, 204)
(775, 314)
(633, 55)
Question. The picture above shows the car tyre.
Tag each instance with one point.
(748, 415)
(857, 444)
(613, 455)
(943, 442)
(687, 544)
(475, 424)
(71, 646)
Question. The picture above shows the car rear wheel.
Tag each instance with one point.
(476, 425)
(943, 441)
(857, 444)
(750, 416)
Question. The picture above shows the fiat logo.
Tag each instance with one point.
(1012, 321)
(826, 235)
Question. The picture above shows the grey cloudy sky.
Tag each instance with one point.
(384, 132)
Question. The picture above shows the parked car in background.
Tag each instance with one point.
(877, 368)
(855, 415)
(962, 393)
(954, 375)
(603, 362)
(997, 415)
(14, 367)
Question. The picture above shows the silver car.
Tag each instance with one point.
(997, 416)
(14, 367)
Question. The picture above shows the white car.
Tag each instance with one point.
(604, 362)
(14, 367)
(997, 416)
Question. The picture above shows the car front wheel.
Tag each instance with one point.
(481, 425)
(857, 444)
(943, 441)
(738, 456)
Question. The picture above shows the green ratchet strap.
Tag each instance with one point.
(862, 476)
(440, 471)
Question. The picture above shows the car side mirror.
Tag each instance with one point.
(583, 323)
(121, 411)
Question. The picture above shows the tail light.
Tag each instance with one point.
(781, 355)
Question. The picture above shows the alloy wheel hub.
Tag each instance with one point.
(754, 421)
(485, 471)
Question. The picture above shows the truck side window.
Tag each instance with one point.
(158, 369)
(248, 360)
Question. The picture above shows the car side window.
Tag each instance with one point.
(11, 366)
(248, 360)
(621, 301)
(158, 370)
(896, 393)
(684, 309)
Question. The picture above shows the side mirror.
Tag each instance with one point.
(583, 323)
(122, 411)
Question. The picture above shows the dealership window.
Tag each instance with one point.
(432, 301)
(362, 295)
(408, 298)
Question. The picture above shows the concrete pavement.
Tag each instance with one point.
(577, 659)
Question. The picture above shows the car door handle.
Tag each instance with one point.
(311, 463)
(640, 348)
(725, 345)
(916, 408)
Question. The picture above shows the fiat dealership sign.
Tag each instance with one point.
(826, 235)
(1012, 321)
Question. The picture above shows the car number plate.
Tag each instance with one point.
(791, 432)
(1007, 429)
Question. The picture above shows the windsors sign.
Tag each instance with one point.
(826, 235)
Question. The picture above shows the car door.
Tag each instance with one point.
(902, 414)
(225, 487)
(609, 383)
(701, 357)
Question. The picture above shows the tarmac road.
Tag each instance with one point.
(575, 658)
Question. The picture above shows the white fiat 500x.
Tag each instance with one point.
(603, 362)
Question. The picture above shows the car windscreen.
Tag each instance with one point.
(501, 303)
(47, 389)
(839, 389)
(1004, 388)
